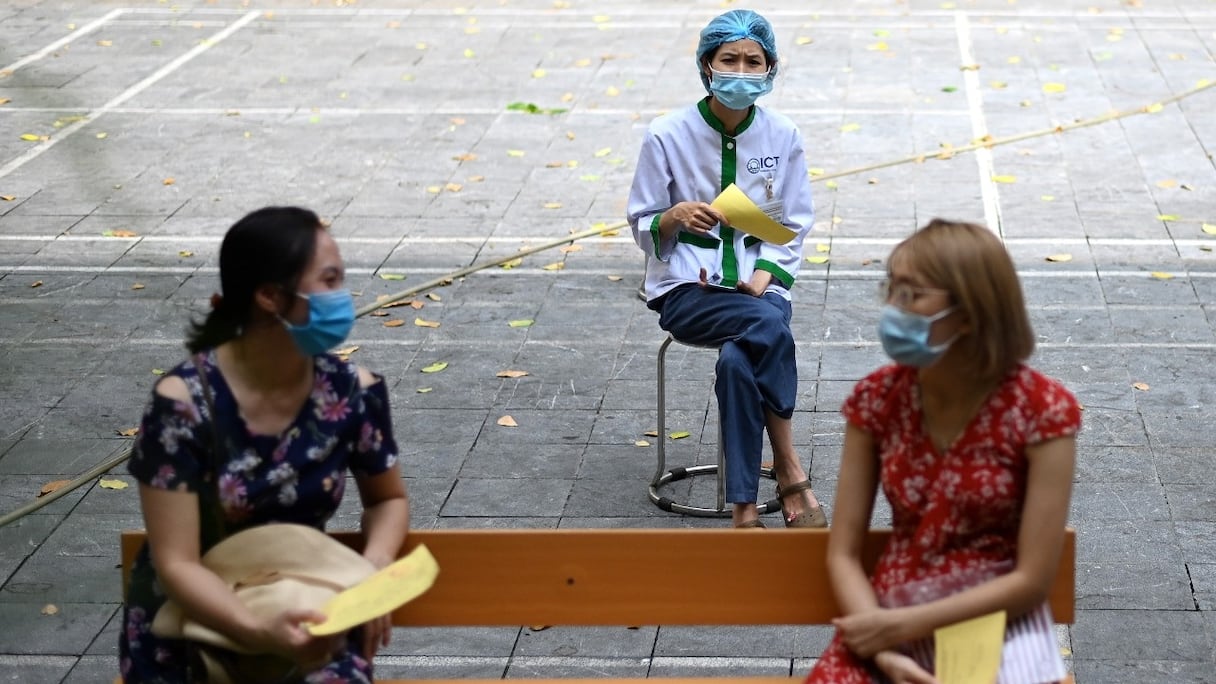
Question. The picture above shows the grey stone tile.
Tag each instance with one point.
(68, 632)
(547, 667)
(1118, 670)
(1159, 635)
(1128, 541)
(441, 667)
(51, 578)
(1135, 585)
(1119, 501)
(453, 641)
(725, 666)
(1198, 539)
(63, 457)
(92, 668)
(1192, 502)
(1182, 465)
(507, 498)
(779, 641)
(1203, 583)
(551, 461)
(587, 642)
(1115, 464)
(36, 668)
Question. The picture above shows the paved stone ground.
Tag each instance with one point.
(391, 118)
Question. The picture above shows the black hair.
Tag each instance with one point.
(271, 245)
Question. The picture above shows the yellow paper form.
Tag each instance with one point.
(742, 213)
(390, 588)
(970, 652)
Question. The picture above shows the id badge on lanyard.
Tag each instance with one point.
(772, 207)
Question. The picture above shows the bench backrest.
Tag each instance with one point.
(633, 577)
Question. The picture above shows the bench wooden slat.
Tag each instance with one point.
(634, 577)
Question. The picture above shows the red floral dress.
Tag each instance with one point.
(955, 514)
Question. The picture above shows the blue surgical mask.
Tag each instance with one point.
(905, 336)
(736, 90)
(331, 315)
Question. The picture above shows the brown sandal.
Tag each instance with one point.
(811, 517)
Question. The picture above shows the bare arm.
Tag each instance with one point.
(172, 521)
(1040, 543)
(855, 490)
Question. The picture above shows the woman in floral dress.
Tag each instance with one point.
(975, 453)
(291, 420)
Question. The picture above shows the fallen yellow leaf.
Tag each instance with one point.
(679, 435)
(612, 91)
(129, 432)
(346, 351)
(538, 73)
(641, 443)
(1047, 198)
(453, 187)
(850, 127)
(823, 248)
(423, 323)
(507, 265)
(511, 374)
(36, 283)
(521, 323)
(1004, 179)
(571, 248)
(817, 259)
(1059, 258)
(169, 181)
(434, 297)
(553, 205)
(1168, 217)
(423, 390)
(1161, 275)
(603, 152)
(651, 433)
(112, 484)
(1209, 228)
(507, 421)
(555, 266)
(119, 233)
(515, 153)
(615, 278)
(185, 253)
(1054, 87)
(1142, 386)
(391, 276)
(803, 40)
(1167, 183)
(435, 367)
(52, 486)
(8, 198)
(465, 157)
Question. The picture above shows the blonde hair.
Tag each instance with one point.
(973, 265)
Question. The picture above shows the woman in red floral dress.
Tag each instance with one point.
(975, 453)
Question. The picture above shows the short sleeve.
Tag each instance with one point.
(375, 450)
(167, 451)
(869, 404)
(1056, 411)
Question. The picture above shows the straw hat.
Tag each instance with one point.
(270, 568)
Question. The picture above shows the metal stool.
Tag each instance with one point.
(665, 476)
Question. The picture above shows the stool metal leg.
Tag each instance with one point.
(665, 476)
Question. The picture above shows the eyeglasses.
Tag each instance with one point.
(903, 294)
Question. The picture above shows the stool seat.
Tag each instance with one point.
(664, 476)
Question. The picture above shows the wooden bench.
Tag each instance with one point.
(631, 577)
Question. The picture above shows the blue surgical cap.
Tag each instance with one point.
(735, 25)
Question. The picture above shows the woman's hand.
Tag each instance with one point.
(901, 669)
(286, 634)
(757, 285)
(868, 632)
(695, 217)
(376, 635)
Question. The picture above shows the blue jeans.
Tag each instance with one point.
(756, 370)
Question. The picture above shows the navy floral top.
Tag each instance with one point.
(298, 476)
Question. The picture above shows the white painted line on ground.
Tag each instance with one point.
(835, 274)
(83, 30)
(979, 127)
(572, 344)
(462, 111)
(799, 15)
(36, 151)
(509, 239)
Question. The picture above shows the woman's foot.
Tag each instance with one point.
(746, 516)
(799, 509)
